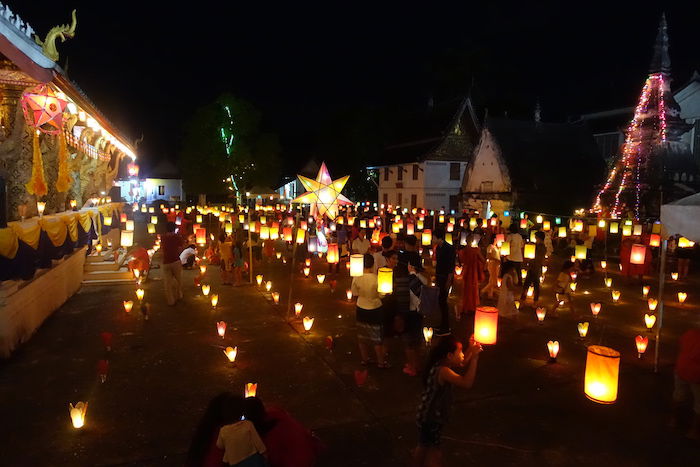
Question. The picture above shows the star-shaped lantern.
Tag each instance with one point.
(323, 194)
(43, 109)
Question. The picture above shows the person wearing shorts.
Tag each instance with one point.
(369, 314)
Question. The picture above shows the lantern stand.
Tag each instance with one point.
(292, 266)
(662, 282)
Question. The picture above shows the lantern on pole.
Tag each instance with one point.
(602, 372)
(581, 251)
(486, 324)
(638, 254)
(385, 280)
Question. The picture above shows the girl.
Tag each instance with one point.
(493, 264)
(506, 298)
(434, 408)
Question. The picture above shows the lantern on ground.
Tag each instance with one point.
(603, 265)
(486, 324)
(641, 343)
(276, 297)
(649, 321)
(530, 291)
(529, 251)
(645, 290)
(77, 414)
(581, 251)
(201, 235)
(615, 295)
(356, 265)
(595, 309)
(128, 305)
(553, 349)
(268, 285)
(541, 312)
(385, 280)
(231, 353)
(602, 372)
(638, 254)
(251, 389)
(214, 300)
(307, 271)
(681, 297)
(205, 289)
(140, 293)
(126, 238)
(332, 255)
(582, 329)
(308, 323)
(608, 282)
(320, 278)
(652, 303)
(427, 334)
(297, 309)
(259, 279)
(348, 294)
(221, 328)
(572, 286)
(427, 237)
(458, 270)
(674, 276)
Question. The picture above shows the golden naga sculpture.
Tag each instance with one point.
(63, 32)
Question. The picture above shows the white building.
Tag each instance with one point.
(427, 172)
(163, 184)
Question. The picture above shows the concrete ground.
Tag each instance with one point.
(163, 371)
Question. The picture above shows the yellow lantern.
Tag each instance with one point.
(348, 294)
(427, 237)
(486, 324)
(533, 237)
(301, 235)
(228, 228)
(198, 218)
(221, 328)
(268, 285)
(583, 329)
(602, 371)
(685, 243)
(128, 305)
(251, 389)
(562, 232)
(626, 230)
(356, 265)
(572, 286)
(553, 349)
(652, 303)
(297, 309)
(614, 227)
(108, 221)
(419, 224)
(546, 226)
(427, 334)
(529, 251)
(264, 232)
(505, 248)
(259, 279)
(205, 289)
(126, 238)
(77, 414)
(603, 264)
(615, 295)
(276, 297)
(307, 271)
(385, 280)
(140, 293)
(129, 225)
(674, 276)
(645, 290)
(320, 278)
(681, 297)
(637, 229)
(608, 282)
(448, 238)
(231, 353)
(649, 320)
(214, 300)
(581, 251)
(308, 323)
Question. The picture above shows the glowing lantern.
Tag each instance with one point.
(602, 371)
(264, 232)
(615, 295)
(608, 282)
(128, 305)
(301, 235)
(198, 219)
(428, 334)
(140, 293)
(562, 232)
(458, 270)
(472, 223)
(108, 221)
(214, 300)
(287, 234)
(581, 251)
(427, 237)
(332, 256)
(122, 217)
(523, 273)
(652, 303)
(626, 230)
(641, 343)
(276, 297)
(385, 280)
(603, 264)
(546, 226)
(681, 297)
(297, 309)
(320, 278)
(614, 227)
(595, 309)
(572, 286)
(529, 251)
(221, 328)
(98, 248)
(307, 271)
(638, 254)
(685, 243)
(530, 291)
(505, 248)
(77, 414)
(205, 289)
(654, 240)
(126, 238)
(541, 312)
(308, 323)
(498, 282)
(486, 324)
(231, 353)
(583, 329)
(500, 238)
(259, 279)
(151, 228)
(348, 294)
(201, 235)
(251, 389)
(517, 303)
(637, 229)
(268, 285)
(674, 276)
(649, 320)
(533, 237)
(356, 265)
(202, 269)
(410, 230)
(578, 226)
(539, 219)
(129, 225)
(553, 349)
(228, 228)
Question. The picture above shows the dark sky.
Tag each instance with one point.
(147, 65)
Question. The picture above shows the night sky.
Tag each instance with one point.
(148, 65)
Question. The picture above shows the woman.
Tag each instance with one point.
(506, 298)
(369, 314)
(436, 400)
(493, 264)
(472, 274)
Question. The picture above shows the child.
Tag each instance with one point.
(506, 298)
(433, 411)
(563, 290)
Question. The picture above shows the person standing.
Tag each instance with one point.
(516, 250)
(472, 275)
(368, 313)
(506, 300)
(171, 245)
(361, 244)
(493, 264)
(534, 270)
(444, 274)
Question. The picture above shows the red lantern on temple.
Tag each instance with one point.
(638, 254)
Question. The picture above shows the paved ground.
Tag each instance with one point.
(163, 371)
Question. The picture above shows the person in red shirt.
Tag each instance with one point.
(687, 379)
(171, 244)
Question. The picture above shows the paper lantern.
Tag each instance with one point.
(151, 210)
(151, 228)
(649, 320)
(140, 293)
(505, 248)
(297, 309)
(602, 371)
(122, 217)
(301, 236)
(645, 290)
(486, 324)
(641, 343)
(144, 209)
(356, 265)
(523, 223)
(385, 280)
(652, 303)
(251, 389)
(410, 229)
(128, 305)
(529, 251)
(264, 232)
(581, 252)
(348, 294)
(595, 308)
(274, 232)
(608, 282)
(516, 302)
(268, 285)
(614, 227)
(201, 235)
(603, 264)
(674, 276)
(685, 243)
(592, 230)
(307, 271)
(320, 278)
(231, 353)
(654, 240)
(626, 230)
(546, 226)
(228, 228)
(259, 279)
(541, 312)
(562, 232)
(77, 414)
(530, 290)
(276, 297)
(427, 237)
(287, 234)
(637, 229)
(205, 289)
(214, 300)
(308, 323)
(198, 219)
(221, 328)
(458, 270)
(553, 349)
(572, 286)
(638, 254)
(681, 297)
(332, 256)
(615, 295)
(583, 329)
(129, 225)
(107, 221)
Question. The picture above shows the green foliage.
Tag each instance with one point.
(224, 138)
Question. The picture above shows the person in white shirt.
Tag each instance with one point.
(187, 256)
(241, 442)
(369, 314)
(516, 250)
(361, 245)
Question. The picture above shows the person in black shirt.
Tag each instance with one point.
(444, 275)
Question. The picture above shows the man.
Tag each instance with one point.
(516, 250)
(534, 270)
(408, 281)
(171, 245)
(380, 256)
(360, 245)
(444, 274)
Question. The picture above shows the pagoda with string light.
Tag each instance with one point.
(655, 165)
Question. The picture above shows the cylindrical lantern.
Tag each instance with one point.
(638, 254)
(385, 280)
(614, 227)
(357, 265)
(602, 371)
(108, 221)
(264, 232)
(287, 233)
(486, 324)
(129, 225)
(581, 251)
(654, 240)
(427, 237)
(151, 228)
(546, 225)
(637, 230)
(127, 238)
(332, 255)
(505, 248)
(562, 232)
(201, 236)
(626, 230)
(410, 230)
(154, 219)
(529, 251)
(198, 218)
(301, 234)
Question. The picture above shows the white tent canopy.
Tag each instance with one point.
(683, 217)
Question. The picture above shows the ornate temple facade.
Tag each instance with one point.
(82, 144)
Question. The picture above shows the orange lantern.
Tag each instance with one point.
(128, 305)
(287, 233)
(602, 372)
(385, 280)
(251, 389)
(641, 343)
(356, 265)
(654, 240)
(332, 256)
(541, 312)
(595, 309)
(297, 309)
(682, 296)
(553, 349)
(486, 324)
(427, 237)
(653, 303)
(649, 320)
(638, 254)
(615, 295)
(458, 270)
(221, 328)
(529, 251)
(231, 353)
(201, 235)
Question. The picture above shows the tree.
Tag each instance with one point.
(224, 150)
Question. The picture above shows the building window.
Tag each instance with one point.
(414, 200)
(399, 175)
(415, 171)
(161, 190)
(455, 171)
(385, 199)
(386, 174)
(399, 199)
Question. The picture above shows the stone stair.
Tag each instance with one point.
(102, 269)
